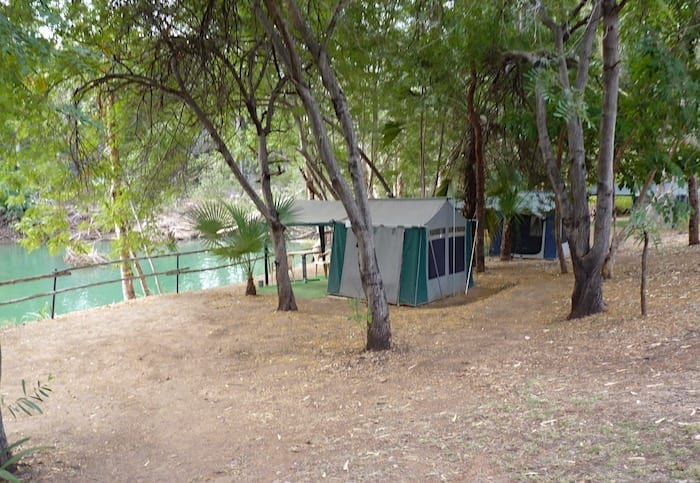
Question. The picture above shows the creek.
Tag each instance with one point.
(16, 263)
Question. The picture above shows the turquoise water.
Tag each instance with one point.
(15, 263)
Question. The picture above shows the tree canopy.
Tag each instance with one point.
(121, 105)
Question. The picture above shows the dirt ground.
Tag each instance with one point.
(492, 386)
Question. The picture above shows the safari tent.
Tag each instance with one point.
(533, 229)
(424, 248)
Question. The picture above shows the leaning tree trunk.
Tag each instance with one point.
(378, 334)
(354, 200)
(693, 235)
(141, 275)
(266, 206)
(285, 294)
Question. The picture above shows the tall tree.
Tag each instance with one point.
(213, 59)
(587, 258)
(355, 198)
(25, 57)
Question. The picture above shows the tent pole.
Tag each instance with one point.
(471, 259)
(415, 290)
(437, 271)
(454, 252)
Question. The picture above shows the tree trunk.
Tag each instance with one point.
(694, 210)
(643, 288)
(474, 120)
(422, 152)
(285, 294)
(587, 298)
(127, 274)
(469, 176)
(563, 269)
(250, 285)
(4, 445)
(506, 240)
(355, 200)
(106, 107)
(587, 260)
(139, 225)
(316, 172)
(439, 169)
(375, 171)
(142, 277)
(608, 269)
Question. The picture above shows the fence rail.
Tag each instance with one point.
(56, 274)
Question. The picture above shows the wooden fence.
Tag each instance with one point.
(56, 274)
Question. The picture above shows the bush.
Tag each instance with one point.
(13, 204)
(623, 204)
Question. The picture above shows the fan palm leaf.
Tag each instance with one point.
(231, 232)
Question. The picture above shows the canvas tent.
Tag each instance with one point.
(424, 248)
(533, 229)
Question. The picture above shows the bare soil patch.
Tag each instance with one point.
(492, 386)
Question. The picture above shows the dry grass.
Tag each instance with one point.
(492, 386)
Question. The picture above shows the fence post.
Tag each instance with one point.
(267, 276)
(53, 296)
(177, 273)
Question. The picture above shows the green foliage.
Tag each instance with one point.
(360, 313)
(673, 211)
(623, 204)
(235, 233)
(43, 313)
(29, 402)
(231, 231)
(506, 183)
(642, 222)
(567, 103)
(5, 473)
(13, 203)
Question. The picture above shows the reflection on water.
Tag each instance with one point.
(16, 263)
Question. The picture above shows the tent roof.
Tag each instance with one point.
(537, 203)
(317, 212)
(405, 211)
(384, 212)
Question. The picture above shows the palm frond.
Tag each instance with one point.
(211, 218)
(286, 210)
(233, 232)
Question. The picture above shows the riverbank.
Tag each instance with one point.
(171, 223)
(8, 235)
